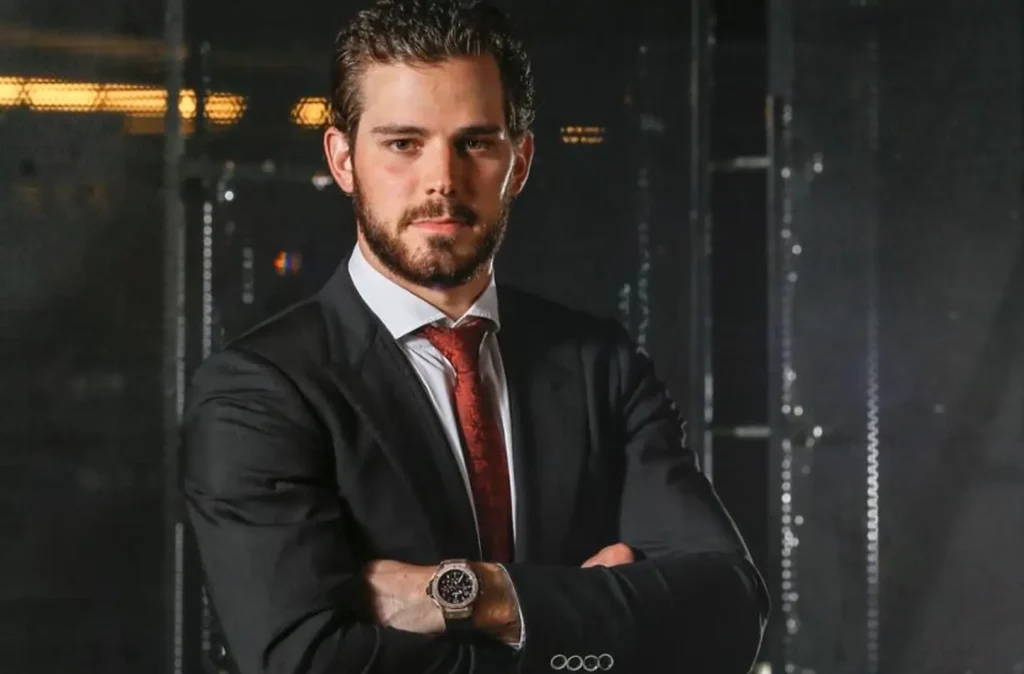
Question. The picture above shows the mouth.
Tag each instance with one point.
(440, 225)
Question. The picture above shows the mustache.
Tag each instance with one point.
(451, 210)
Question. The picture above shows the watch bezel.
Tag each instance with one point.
(446, 569)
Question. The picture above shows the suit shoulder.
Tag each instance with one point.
(564, 321)
(295, 336)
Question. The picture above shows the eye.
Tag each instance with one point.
(401, 145)
(476, 144)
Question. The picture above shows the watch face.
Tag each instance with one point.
(456, 588)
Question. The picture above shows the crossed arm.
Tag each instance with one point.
(398, 599)
(291, 597)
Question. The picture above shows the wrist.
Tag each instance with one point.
(433, 613)
(496, 611)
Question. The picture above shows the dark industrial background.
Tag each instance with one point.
(809, 213)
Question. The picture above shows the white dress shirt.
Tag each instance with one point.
(403, 314)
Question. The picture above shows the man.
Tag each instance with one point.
(418, 470)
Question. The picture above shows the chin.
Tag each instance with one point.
(443, 262)
(462, 244)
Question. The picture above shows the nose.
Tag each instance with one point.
(442, 169)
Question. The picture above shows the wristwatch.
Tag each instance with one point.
(454, 587)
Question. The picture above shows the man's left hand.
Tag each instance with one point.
(399, 597)
(612, 555)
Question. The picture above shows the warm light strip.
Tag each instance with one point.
(310, 112)
(139, 101)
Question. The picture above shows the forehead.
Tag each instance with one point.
(456, 92)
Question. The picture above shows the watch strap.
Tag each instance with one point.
(461, 624)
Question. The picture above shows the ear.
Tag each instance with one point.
(339, 159)
(522, 161)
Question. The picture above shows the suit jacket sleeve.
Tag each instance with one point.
(269, 523)
(695, 602)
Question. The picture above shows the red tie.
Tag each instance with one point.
(482, 441)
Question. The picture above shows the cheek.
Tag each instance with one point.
(506, 180)
(384, 188)
(493, 184)
(394, 171)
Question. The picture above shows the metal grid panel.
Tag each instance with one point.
(80, 301)
(898, 174)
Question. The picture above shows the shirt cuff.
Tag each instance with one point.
(519, 608)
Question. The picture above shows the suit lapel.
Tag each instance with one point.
(547, 409)
(549, 432)
(384, 389)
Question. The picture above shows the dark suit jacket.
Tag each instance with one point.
(311, 448)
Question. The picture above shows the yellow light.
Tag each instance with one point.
(222, 108)
(310, 112)
(186, 104)
(70, 96)
(12, 91)
(583, 135)
(137, 101)
(134, 101)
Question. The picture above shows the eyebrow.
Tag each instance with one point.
(408, 130)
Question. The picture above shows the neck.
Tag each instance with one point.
(454, 302)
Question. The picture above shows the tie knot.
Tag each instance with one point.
(460, 345)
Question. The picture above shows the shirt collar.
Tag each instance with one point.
(402, 312)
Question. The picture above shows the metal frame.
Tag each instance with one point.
(792, 433)
(701, 379)
(174, 369)
(187, 305)
(780, 579)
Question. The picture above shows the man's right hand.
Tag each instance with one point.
(612, 555)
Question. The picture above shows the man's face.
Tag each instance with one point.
(432, 170)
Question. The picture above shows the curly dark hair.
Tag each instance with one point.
(429, 31)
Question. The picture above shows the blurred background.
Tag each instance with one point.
(809, 213)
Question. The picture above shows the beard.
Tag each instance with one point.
(442, 266)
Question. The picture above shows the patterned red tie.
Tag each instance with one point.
(483, 444)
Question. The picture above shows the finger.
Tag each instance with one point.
(609, 558)
(621, 553)
(600, 559)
